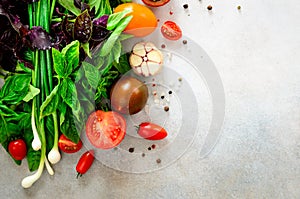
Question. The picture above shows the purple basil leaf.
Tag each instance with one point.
(39, 38)
(83, 27)
(102, 21)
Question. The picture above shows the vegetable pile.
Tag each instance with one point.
(59, 59)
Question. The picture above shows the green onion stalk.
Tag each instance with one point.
(40, 14)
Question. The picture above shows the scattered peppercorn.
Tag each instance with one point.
(239, 7)
(163, 46)
(166, 108)
(149, 148)
(170, 92)
(158, 161)
(171, 13)
(153, 146)
(209, 7)
(143, 154)
(184, 41)
(131, 149)
(162, 97)
(185, 6)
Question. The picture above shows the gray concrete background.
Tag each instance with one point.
(257, 53)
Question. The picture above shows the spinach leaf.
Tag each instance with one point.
(33, 157)
(15, 88)
(50, 104)
(49, 133)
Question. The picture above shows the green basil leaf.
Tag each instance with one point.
(68, 127)
(123, 65)
(116, 51)
(114, 19)
(33, 91)
(59, 64)
(101, 7)
(8, 131)
(69, 5)
(110, 42)
(68, 92)
(62, 110)
(92, 74)
(15, 88)
(86, 49)
(71, 55)
(50, 104)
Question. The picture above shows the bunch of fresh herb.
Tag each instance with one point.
(58, 61)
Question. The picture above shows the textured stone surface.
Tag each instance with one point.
(257, 53)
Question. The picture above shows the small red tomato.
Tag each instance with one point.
(85, 162)
(17, 149)
(151, 131)
(67, 146)
(170, 30)
(155, 3)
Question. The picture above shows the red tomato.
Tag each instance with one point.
(170, 30)
(151, 131)
(155, 3)
(85, 162)
(105, 130)
(67, 145)
(17, 149)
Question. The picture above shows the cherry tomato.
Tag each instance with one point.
(155, 3)
(143, 21)
(85, 162)
(170, 30)
(129, 95)
(17, 149)
(67, 145)
(105, 130)
(151, 131)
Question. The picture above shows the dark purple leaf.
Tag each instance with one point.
(102, 21)
(82, 30)
(39, 38)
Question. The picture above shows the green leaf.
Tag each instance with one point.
(33, 91)
(110, 42)
(50, 104)
(71, 55)
(15, 88)
(69, 5)
(62, 110)
(116, 51)
(59, 64)
(114, 19)
(33, 159)
(86, 49)
(49, 133)
(92, 74)
(101, 7)
(6, 111)
(68, 127)
(68, 92)
(123, 65)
